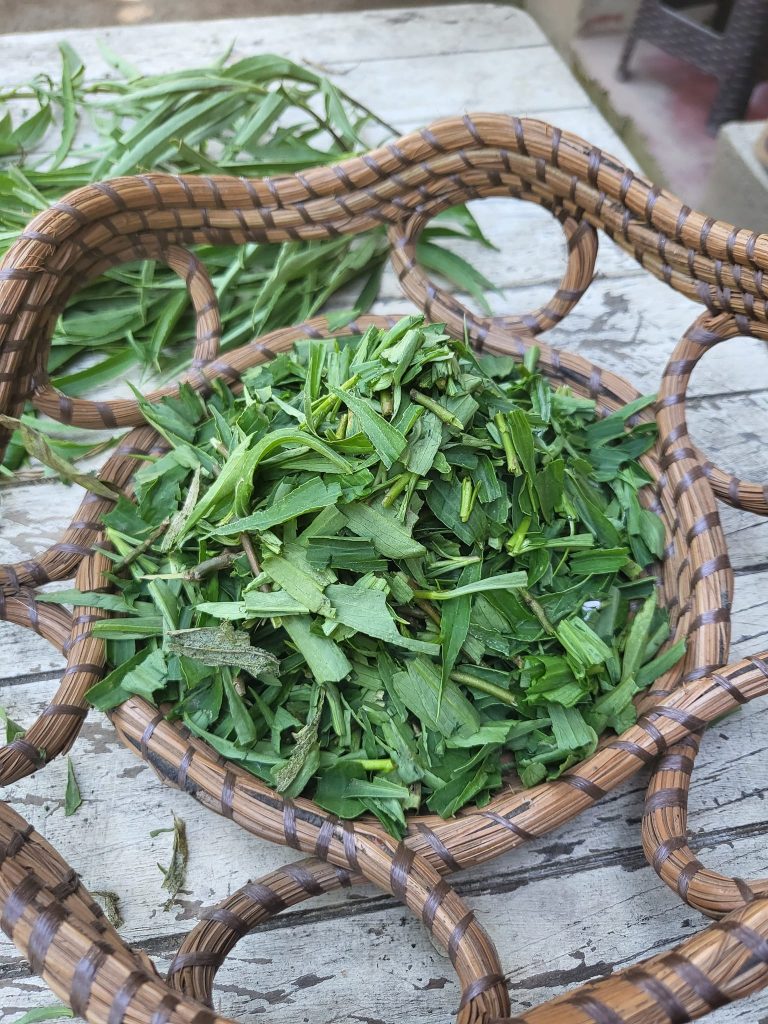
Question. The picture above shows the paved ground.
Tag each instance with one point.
(42, 15)
(661, 112)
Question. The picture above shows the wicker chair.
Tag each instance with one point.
(732, 49)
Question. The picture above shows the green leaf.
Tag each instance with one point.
(326, 660)
(71, 72)
(652, 670)
(611, 427)
(570, 730)
(86, 599)
(110, 691)
(311, 496)
(354, 553)
(220, 646)
(423, 444)
(388, 537)
(12, 729)
(135, 628)
(549, 483)
(376, 789)
(41, 1013)
(637, 639)
(298, 583)
(386, 439)
(456, 269)
(582, 643)
(461, 790)
(72, 797)
(454, 622)
(305, 741)
(39, 448)
(366, 611)
(442, 709)
(255, 603)
(243, 460)
(586, 563)
(522, 439)
(245, 728)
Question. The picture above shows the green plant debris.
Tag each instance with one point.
(110, 903)
(12, 729)
(41, 1013)
(72, 796)
(174, 876)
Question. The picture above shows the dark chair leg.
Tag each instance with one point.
(635, 33)
(622, 71)
(732, 99)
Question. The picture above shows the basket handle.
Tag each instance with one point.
(706, 332)
(718, 965)
(681, 984)
(203, 951)
(44, 908)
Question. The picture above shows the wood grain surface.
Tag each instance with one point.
(574, 905)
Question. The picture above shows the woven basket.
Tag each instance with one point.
(43, 907)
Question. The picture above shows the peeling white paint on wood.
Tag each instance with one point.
(571, 906)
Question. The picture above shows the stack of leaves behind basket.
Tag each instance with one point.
(43, 907)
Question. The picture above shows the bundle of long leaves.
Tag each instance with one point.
(258, 116)
(387, 573)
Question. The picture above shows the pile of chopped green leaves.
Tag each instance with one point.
(258, 116)
(388, 574)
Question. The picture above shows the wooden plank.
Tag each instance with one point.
(536, 77)
(323, 38)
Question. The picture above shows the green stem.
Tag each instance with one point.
(145, 545)
(537, 610)
(382, 764)
(397, 488)
(513, 466)
(480, 684)
(515, 543)
(429, 611)
(467, 499)
(440, 411)
(341, 431)
(322, 406)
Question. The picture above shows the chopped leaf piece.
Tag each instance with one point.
(72, 797)
(41, 1013)
(386, 535)
(305, 740)
(110, 901)
(12, 729)
(386, 439)
(221, 645)
(175, 875)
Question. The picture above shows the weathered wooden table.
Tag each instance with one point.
(573, 905)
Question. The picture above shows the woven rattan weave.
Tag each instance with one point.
(43, 907)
